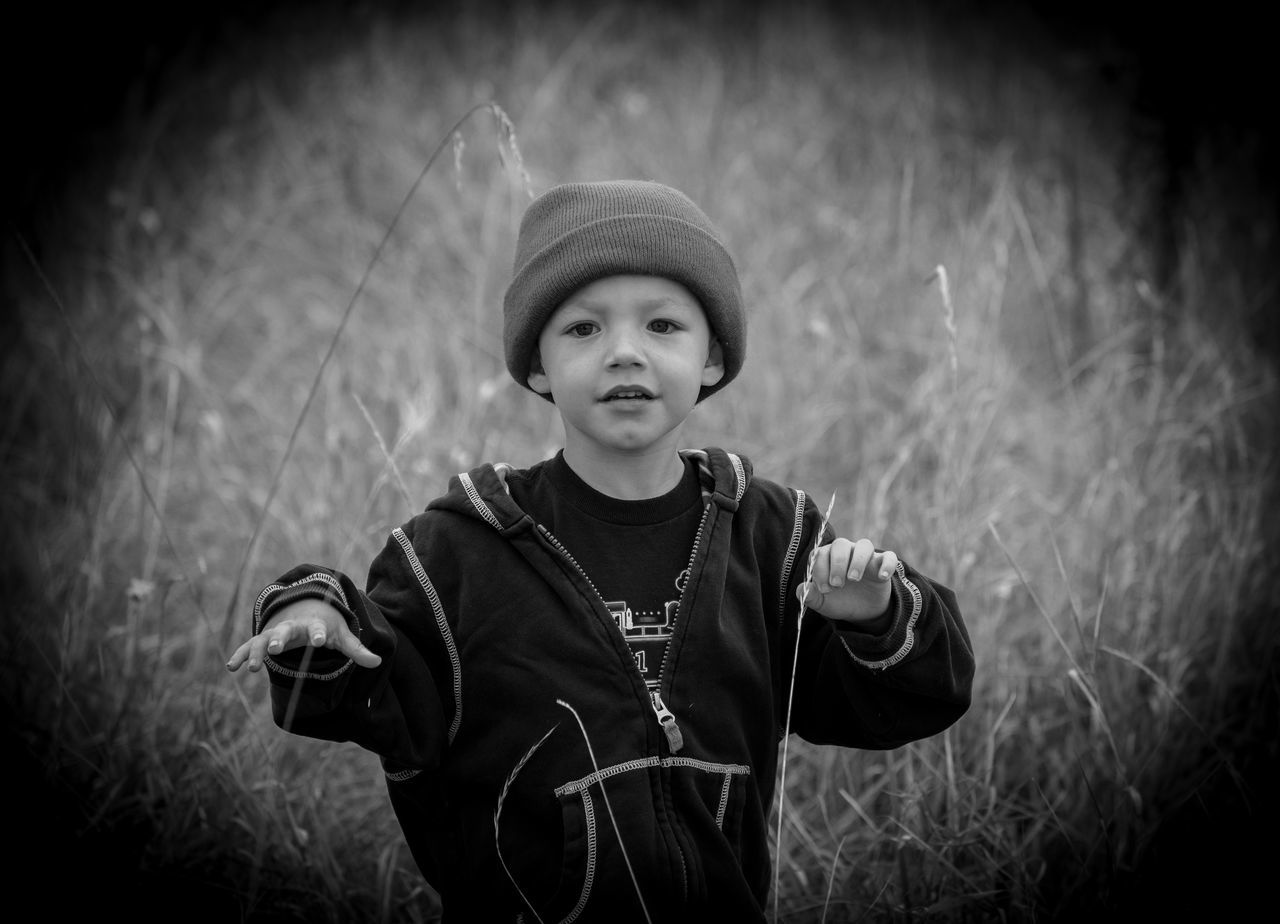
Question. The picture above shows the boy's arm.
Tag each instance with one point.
(883, 682)
(394, 708)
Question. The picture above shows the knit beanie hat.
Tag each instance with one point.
(577, 233)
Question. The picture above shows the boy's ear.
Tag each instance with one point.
(713, 371)
(537, 379)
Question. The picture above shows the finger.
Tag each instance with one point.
(885, 565)
(317, 635)
(353, 648)
(249, 654)
(286, 634)
(820, 566)
(238, 657)
(862, 552)
(280, 637)
(839, 553)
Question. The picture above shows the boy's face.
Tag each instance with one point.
(625, 358)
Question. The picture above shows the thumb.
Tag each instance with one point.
(354, 649)
(809, 595)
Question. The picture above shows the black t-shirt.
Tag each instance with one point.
(635, 553)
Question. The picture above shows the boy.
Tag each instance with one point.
(654, 591)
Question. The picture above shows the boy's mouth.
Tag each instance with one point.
(627, 393)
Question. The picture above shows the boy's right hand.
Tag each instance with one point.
(304, 622)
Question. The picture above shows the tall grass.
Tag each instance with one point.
(1085, 459)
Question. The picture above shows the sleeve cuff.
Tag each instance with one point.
(310, 663)
(882, 649)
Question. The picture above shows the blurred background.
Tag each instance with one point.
(1012, 294)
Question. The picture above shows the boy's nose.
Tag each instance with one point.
(624, 351)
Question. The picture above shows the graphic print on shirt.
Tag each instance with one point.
(647, 631)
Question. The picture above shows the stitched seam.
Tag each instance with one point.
(257, 606)
(474, 495)
(706, 478)
(703, 461)
(590, 815)
(627, 767)
(401, 775)
(644, 762)
(741, 475)
(735, 769)
(441, 623)
(788, 562)
(724, 800)
(917, 604)
(283, 671)
(318, 577)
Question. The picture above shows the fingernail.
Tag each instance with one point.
(317, 639)
(274, 646)
(228, 665)
(884, 574)
(253, 664)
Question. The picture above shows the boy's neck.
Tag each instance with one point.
(631, 477)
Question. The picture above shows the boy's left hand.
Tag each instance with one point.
(850, 581)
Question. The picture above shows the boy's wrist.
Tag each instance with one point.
(873, 625)
(879, 625)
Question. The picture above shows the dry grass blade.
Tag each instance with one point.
(949, 318)
(1066, 649)
(856, 805)
(831, 880)
(795, 658)
(507, 136)
(295, 690)
(386, 453)
(616, 830)
(497, 815)
(229, 621)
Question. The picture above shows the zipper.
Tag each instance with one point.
(559, 547)
(666, 718)
(797, 531)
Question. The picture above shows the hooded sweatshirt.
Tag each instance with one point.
(533, 774)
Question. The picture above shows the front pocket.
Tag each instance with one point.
(712, 802)
(581, 847)
(708, 799)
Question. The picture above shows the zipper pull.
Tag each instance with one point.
(667, 719)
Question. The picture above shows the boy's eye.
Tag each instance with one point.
(661, 326)
(582, 329)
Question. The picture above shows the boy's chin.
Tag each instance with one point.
(625, 442)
